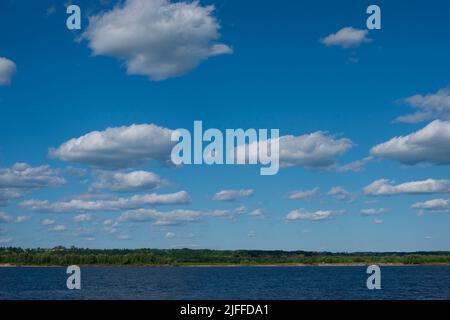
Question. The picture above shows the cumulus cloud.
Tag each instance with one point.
(429, 106)
(434, 205)
(156, 38)
(373, 212)
(341, 194)
(427, 145)
(257, 213)
(6, 195)
(84, 217)
(113, 204)
(347, 37)
(110, 226)
(354, 166)
(227, 213)
(21, 219)
(172, 217)
(47, 222)
(122, 147)
(7, 70)
(6, 218)
(107, 222)
(170, 235)
(58, 228)
(118, 147)
(304, 194)
(317, 150)
(384, 187)
(21, 178)
(233, 195)
(127, 181)
(302, 214)
(177, 216)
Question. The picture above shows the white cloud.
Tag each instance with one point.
(430, 106)
(304, 194)
(384, 187)
(428, 145)
(122, 147)
(58, 228)
(372, 211)
(6, 195)
(355, 166)
(434, 205)
(23, 176)
(227, 213)
(111, 226)
(84, 217)
(301, 214)
(118, 147)
(107, 222)
(347, 37)
(7, 70)
(115, 204)
(5, 218)
(47, 222)
(156, 38)
(316, 150)
(377, 221)
(127, 181)
(6, 240)
(341, 194)
(257, 213)
(170, 235)
(21, 219)
(232, 195)
(178, 216)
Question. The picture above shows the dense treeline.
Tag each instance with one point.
(66, 256)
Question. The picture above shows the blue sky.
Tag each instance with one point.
(309, 68)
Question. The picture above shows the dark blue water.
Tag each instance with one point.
(421, 282)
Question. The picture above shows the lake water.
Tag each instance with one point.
(421, 282)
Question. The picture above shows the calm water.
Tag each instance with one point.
(422, 282)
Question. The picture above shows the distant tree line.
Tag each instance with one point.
(60, 256)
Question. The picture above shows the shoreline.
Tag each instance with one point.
(285, 265)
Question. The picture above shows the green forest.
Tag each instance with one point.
(60, 256)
